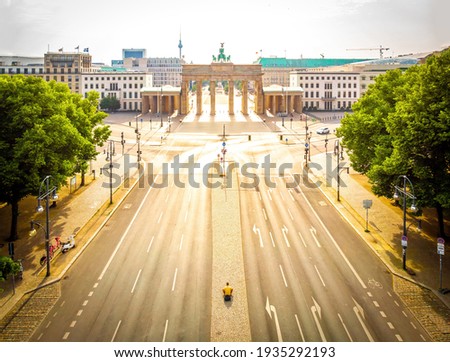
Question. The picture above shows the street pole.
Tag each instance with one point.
(405, 195)
(45, 197)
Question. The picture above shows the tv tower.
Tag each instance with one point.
(180, 45)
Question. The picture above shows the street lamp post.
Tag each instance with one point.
(45, 195)
(338, 150)
(405, 195)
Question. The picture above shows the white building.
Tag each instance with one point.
(118, 83)
(338, 88)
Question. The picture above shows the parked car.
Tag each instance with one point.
(323, 130)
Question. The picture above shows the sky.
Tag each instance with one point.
(248, 28)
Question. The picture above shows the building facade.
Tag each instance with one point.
(277, 70)
(118, 83)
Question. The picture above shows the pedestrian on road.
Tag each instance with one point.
(227, 292)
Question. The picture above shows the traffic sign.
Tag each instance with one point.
(441, 241)
(224, 144)
(404, 241)
(306, 145)
(440, 249)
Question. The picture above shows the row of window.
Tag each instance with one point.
(113, 78)
(112, 86)
(330, 95)
(329, 85)
(327, 105)
(328, 78)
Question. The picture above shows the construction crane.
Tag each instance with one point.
(381, 49)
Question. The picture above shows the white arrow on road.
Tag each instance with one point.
(359, 311)
(317, 314)
(314, 235)
(270, 308)
(257, 231)
(285, 230)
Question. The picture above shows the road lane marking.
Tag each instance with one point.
(181, 242)
(383, 314)
(391, 326)
(345, 327)
(258, 232)
(299, 328)
(265, 215)
(289, 211)
(301, 238)
(79, 312)
(66, 335)
(399, 337)
(85, 303)
(314, 233)
(174, 279)
(396, 303)
(285, 230)
(150, 244)
(55, 314)
(90, 294)
(271, 309)
(115, 331)
(359, 311)
(290, 194)
(40, 336)
(167, 197)
(270, 196)
(165, 330)
(160, 216)
(404, 313)
(64, 302)
(317, 315)
(282, 274)
(126, 232)
(320, 277)
(259, 195)
(186, 215)
(334, 241)
(281, 194)
(271, 238)
(73, 324)
(413, 325)
(48, 324)
(95, 285)
(136, 280)
(375, 303)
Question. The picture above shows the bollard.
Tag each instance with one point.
(249, 137)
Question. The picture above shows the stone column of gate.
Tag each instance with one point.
(212, 91)
(170, 110)
(244, 97)
(184, 98)
(258, 97)
(199, 97)
(230, 97)
(145, 104)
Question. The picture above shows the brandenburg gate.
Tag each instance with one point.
(169, 99)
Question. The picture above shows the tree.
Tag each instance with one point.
(89, 122)
(401, 126)
(38, 138)
(8, 267)
(110, 103)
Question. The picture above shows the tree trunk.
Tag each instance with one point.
(82, 178)
(440, 214)
(13, 235)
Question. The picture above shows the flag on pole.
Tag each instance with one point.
(86, 50)
(60, 49)
(77, 48)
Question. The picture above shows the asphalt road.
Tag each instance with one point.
(147, 275)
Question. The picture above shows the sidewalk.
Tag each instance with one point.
(79, 212)
(419, 287)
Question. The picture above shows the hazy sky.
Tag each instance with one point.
(293, 28)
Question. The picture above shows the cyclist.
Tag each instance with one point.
(227, 292)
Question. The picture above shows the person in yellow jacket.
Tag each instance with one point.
(227, 292)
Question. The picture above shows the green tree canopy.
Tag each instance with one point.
(401, 126)
(46, 130)
(110, 103)
(8, 267)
